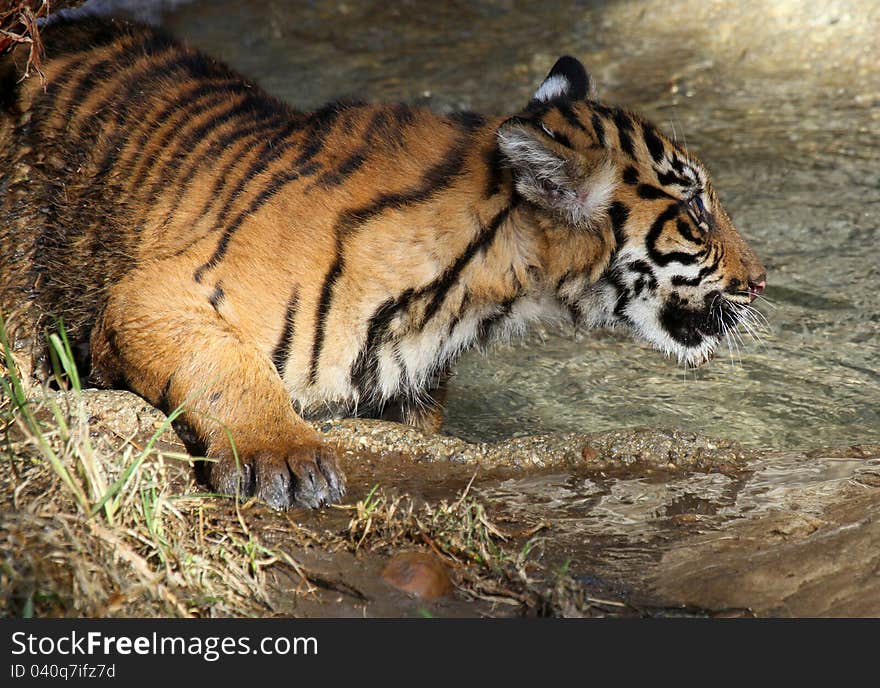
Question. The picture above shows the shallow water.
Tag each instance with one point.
(780, 99)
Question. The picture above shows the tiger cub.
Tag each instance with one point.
(208, 245)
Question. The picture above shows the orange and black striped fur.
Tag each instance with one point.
(207, 244)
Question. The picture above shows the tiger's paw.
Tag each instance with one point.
(306, 475)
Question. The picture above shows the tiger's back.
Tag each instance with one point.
(200, 237)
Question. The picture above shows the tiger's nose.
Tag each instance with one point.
(756, 288)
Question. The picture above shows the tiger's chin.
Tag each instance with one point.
(696, 357)
(673, 326)
(693, 355)
(691, 336)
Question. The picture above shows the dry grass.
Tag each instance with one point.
(96, 524)
(18, 26)
(93, 527)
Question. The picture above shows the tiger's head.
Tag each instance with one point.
(664, 258)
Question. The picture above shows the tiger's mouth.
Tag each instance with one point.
(698, 331)
(689, 328)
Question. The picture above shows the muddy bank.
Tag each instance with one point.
(625, 523)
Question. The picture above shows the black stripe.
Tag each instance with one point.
(624, 132)
(630, 175)
(294, 125)
(642, 282)
(319, 126)
(64, 36)
(95, 75)
(640, 266)
(619, 214)
(467, 121)
(436, 178)
(162, 56)
(74, 149)
(671, 178)
(219, 145)
(494, 160)
(277, 183)
(168, 142)
(538, 107)
(268, 152)
(353, 162)
(566, 111)
(678, 280)
(282, 349)
(562, 139)
(323, 312)
(399, 117)
(181, 147)
(455, 319)
(92, 76)
(346, 168)
(217, 296)
(403, 114)
(450, 276)
(47, 104)
(599, 129)
(180, 104)
(653, 142)
(224, 176)
(654, 233)
(685, 230)
(623, 295)
(239, 101)
(115, 104)
(364, 370)
(651, 193)
(136, 101)
(151, 78)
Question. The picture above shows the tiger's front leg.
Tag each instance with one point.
(171, 347)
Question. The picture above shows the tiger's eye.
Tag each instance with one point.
(697, 211)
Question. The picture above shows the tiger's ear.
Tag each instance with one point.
(568, 79)
(576, 186)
